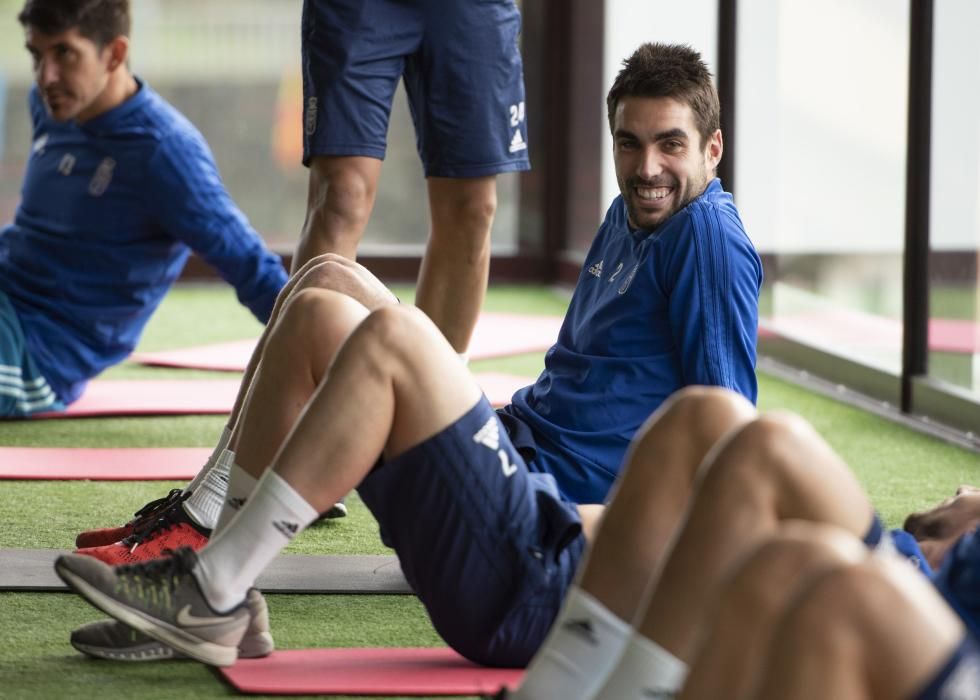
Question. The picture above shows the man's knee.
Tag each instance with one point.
(393, 334)
(764, 581)
(759, 451)
(312, 313)
(340, 193)
(823, 616)
(701, 414)
(463, 210)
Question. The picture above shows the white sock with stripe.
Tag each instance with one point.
(584, 643)
(646, 670)
(223, 441)
(208, 497)
(228, 566)
(241, 484)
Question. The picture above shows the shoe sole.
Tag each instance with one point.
(194, 647)
(151, 651)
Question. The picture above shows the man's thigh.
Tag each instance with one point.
(466, 90)
(488, 547)
(353, 57)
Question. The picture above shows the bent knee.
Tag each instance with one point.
(396, 328)
(703, 413)
(775, 570)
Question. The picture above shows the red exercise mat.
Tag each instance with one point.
(496, 335)
(152, 397)
(221, 357)
(102, 464)
(159, 397)
(425, 672)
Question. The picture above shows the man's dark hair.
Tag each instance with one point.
(98, 20)
(669, 70)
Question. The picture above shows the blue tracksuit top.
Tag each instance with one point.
(652, 312)
(109, 212)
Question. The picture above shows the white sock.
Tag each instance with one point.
(241, 484)
(229, 565)
(206, 500)
(223, 441)
(646, 670)
(583, 645)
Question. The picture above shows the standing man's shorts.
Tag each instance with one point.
(488, 546)
(462, 68)
(23, 390)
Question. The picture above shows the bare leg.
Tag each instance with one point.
(395, 383)
(653, 492)
(872, 630)
(754, 598)
(774, 469)
(636, 530)
(453, 278)
(331, 272)
(312, 327)
(340, 198)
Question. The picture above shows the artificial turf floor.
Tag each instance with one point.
(902, 470)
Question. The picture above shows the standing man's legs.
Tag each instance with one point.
(455, 269)
(339, 202)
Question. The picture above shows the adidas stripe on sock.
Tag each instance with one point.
(235, 556)
(584, 643)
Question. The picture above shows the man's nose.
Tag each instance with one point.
(47, 72)
(651, 164)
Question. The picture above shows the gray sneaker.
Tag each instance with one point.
(162, 599)
(111, 639)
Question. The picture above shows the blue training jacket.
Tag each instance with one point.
(109, 212)
(652, 312)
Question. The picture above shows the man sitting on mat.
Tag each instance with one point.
(667, 297)
(490, 547)
(119, 189)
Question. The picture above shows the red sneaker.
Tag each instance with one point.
(172, 530)
(142, 518)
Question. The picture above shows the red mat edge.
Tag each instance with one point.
(493, 678)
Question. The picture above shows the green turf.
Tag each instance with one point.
(901, 470)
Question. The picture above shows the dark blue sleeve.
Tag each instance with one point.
(958, 579)
(190, 202)
(714, 276)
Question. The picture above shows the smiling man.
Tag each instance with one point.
(119, 188)
(486, 510)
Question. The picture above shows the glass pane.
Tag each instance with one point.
(821, 168)
(233, 68)
(954, 325)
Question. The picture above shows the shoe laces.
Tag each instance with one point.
(175, 495)
(168, 519)
(154, 581)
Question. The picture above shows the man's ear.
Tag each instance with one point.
(715, 148)
(118, 50)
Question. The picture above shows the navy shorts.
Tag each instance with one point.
(23, 390)
(959, 678)
(463, 76)
(488, 546)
